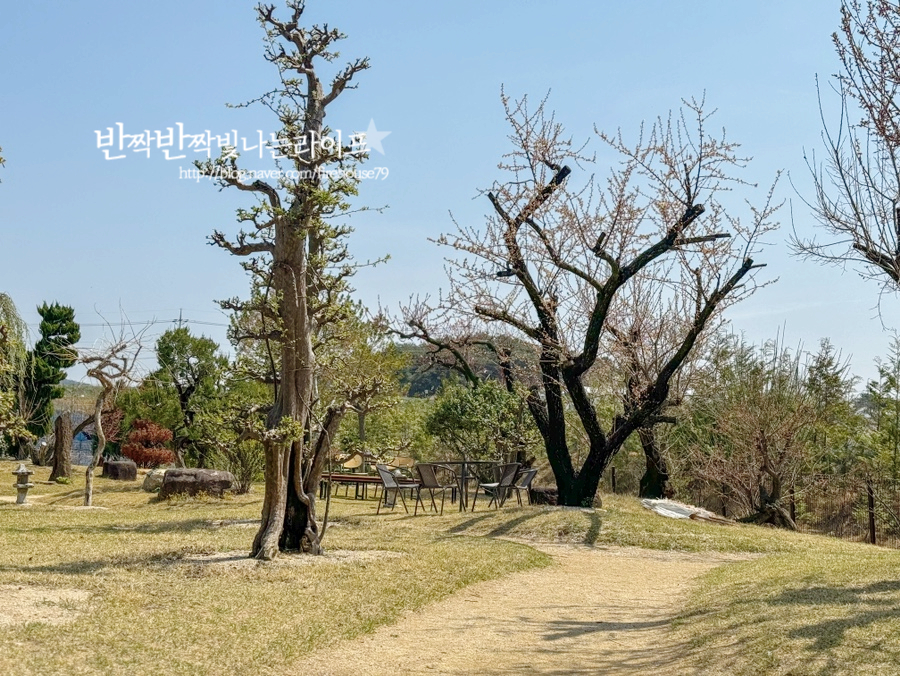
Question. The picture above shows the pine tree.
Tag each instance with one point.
(46, 363)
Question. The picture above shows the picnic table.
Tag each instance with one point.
(360, 481)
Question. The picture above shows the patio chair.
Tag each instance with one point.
(395, 484)
(499, 490)
(434, 478)
(354, 462)
(523, 483)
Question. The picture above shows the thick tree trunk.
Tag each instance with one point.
(300, 532)
(62, 447)
(288, 518)
(655, 482)
(581, 492)
(771, 511)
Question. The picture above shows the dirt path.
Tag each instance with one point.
(601, 610)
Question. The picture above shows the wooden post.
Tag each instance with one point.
(871, 495)
(612, 478)
(793, 505)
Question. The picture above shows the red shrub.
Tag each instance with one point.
(148, 457)
(146, 444)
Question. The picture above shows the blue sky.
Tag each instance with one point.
(103, 235)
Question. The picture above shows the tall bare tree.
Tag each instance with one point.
(856, 198)
(300, 265)
(554, 260)
(111, 367)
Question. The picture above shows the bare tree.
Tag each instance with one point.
(856, 198)
(299, 262)
(751, 435)
(652, 319)
(110, 367)
(554, 262)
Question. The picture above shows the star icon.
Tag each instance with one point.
(374, 137)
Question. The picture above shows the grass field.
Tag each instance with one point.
(149, 587)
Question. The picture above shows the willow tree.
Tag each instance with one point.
(298, 257)
(554, 261)
(12, 368)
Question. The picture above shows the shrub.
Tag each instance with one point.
(146, 444)
(244, 459)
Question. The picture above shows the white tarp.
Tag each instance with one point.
(679, 510)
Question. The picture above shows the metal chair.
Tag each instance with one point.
(392, 483)
(430, 480)
(523, 483)
(499, 490)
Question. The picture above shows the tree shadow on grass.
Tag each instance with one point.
(818, 619)
(870, 603)
(466, 525)
(97, 566)
(186, 526)
(506, 527)
(593, 532)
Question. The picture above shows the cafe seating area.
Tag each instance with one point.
(429, 485)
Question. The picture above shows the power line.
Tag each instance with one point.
(179, 321)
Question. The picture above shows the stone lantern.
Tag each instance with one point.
(22, 484)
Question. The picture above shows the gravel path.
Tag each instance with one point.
(602, 610)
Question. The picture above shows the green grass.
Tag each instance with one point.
(799, 604)
(833, 608)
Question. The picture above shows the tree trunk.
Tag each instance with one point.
(300, 532)
(23, 449)
(98, 452)
(62, 451)
(771, 511)
(288, 518)
(581, 492)
(655, 482)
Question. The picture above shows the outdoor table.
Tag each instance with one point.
(463, 477)
(358, 480)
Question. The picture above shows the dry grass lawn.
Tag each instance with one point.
(139, 586)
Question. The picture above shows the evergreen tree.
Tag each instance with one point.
(46, 363)
(884, 411)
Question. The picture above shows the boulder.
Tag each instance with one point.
(195, 481)
(120, 470)
(154, 479)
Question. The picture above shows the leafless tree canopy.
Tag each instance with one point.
(111, 366)
(856, 182)
(569, 266)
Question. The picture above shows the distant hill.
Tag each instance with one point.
(79, 397)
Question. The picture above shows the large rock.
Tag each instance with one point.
(154, 480)
(120, 470)
(195, 481)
